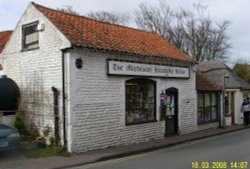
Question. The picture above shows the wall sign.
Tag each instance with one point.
(141, 69)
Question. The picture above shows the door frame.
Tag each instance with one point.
(172, 91)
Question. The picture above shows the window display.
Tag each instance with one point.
(170, 105)
(140, 101)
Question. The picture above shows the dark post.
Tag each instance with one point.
(56, 115)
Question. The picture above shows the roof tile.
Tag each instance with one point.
(4, 37)
(89, 33)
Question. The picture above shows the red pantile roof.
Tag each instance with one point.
(4, 37)
(89, 33)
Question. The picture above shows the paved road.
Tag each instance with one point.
(10, 156)
(214, 152)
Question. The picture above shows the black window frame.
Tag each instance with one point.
(30, 46)
(204, 108)
(140, 81)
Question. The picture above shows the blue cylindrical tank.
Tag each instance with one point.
(9, 94)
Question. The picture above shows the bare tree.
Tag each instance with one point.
(191, 31)
(110, 17)
(156, 19)
(218, 42)
(68, 9)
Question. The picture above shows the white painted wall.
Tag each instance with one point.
(237, 105)
(96, 102)
(36, 71)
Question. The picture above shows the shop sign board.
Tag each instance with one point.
(143, 69)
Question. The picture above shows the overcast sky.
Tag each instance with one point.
(235, 11)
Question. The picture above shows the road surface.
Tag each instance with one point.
(225, 151)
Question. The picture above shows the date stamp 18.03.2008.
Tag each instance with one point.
(220, 165)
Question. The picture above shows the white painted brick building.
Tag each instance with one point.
(70, 54)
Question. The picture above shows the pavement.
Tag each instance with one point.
(61, 162)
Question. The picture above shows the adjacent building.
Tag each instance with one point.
(234, 88)
(4, 37)
(208, 102)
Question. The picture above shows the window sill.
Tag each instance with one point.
(26, 50)
(207, 122)
(135, 123)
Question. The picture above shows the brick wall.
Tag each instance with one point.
(97, 105)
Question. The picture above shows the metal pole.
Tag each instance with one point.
(223, 105)
(223, 101)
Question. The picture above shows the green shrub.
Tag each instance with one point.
(19, 125)
(34, 132)
(46, 131)
(52, 141)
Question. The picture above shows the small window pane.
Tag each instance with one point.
(200, 100)
(214, 99)
(214, 113)
(207, 100)
(208, 114)
(31, 38)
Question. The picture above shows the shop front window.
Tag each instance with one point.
(140, 101)
(207, 107)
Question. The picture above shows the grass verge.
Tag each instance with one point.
(31, 150)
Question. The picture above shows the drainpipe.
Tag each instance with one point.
(63, 101)
(56, 115)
